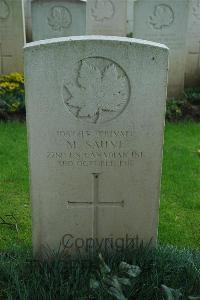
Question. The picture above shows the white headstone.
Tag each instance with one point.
(192, 77)
(57, 18)
(165, 22)
(95, 113)
(12, 36)
(107, 17)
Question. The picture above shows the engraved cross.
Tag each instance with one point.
(95, 204)
(2, 56)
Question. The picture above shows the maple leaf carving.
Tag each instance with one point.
(97, 92)
(103, 9)
(163, 16)
(4, 9)
(59, 18)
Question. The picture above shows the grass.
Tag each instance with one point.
(23, 278)
(180, 193)
(14, 186)
(180, 188)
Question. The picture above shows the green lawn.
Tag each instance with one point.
(180, 196)
(14, 188)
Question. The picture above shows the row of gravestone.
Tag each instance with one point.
(95, 115)
(160, 21)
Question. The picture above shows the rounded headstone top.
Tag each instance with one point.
(113, 39)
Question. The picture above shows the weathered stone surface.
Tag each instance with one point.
(192, 77)
(107, 17)
(165, 22)
(12, 36)
(52, 18)
(28, 21)
(95, 113)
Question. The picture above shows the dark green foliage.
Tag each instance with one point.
(12, 98)
(117, 283)
(23, 278)
(193, 95)
(174, 110)
(187, 108)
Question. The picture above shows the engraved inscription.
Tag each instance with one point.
(196, 10)
(99, 92)
(163, 16)
(4, 10)
(102, 10)
(59, 18)
(94, 148)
